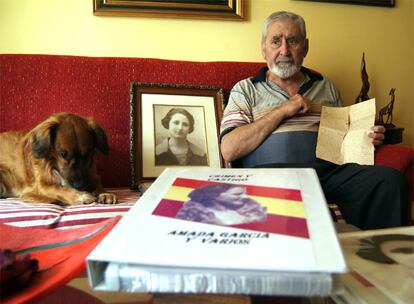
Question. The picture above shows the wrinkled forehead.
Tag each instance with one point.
(284, 28)
(74, 135)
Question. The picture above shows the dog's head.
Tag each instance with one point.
(67, 144)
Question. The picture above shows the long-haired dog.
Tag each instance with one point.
(54, 162)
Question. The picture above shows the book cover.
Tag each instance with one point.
(381, 266)
(238, 231)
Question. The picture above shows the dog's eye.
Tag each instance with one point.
(64, 155)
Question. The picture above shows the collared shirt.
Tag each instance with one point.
(294, 140)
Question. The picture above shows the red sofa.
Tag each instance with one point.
(34, 86)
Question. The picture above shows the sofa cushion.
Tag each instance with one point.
(17, 213)
(397, 157)
(400, 158)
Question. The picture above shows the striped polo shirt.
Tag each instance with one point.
(294, 140)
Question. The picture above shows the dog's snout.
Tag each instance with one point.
(80, 184)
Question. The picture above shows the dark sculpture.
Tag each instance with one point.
(387, 111)
(363, 94)
(393, 135)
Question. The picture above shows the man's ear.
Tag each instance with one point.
(263, 51)
(306, 47)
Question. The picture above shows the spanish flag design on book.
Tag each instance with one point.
(285, 209)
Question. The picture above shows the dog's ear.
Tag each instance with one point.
(42, 136)
(100, 136)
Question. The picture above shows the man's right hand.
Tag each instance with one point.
(243, 140)
(297, 104)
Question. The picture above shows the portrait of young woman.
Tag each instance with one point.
(180, 136)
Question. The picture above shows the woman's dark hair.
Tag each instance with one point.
(166, 120)
(370, 248)
(206, 195)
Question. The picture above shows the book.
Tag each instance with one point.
(224, 231)
(381, 266)
(343, 134)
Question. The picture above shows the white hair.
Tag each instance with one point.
(282, 15)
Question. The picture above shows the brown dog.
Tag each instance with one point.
(54, 162)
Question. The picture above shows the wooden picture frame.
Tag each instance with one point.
(193, 9)
(385, 3)
(151, 134)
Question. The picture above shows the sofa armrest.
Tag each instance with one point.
(400, 158)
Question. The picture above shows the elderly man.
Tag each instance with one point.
(272, 119)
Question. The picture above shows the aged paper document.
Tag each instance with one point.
(343, 134)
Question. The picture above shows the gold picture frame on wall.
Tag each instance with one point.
(385, 3)
(157, 115)
(192, 9)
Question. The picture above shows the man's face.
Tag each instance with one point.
(284, 48)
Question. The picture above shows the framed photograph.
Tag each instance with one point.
(173, 125)
(386, 3)
(195, 9)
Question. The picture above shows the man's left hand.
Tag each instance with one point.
(377, 135)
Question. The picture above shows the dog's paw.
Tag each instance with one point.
(85, 198)
(107, 198)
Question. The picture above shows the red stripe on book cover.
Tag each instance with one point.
(278, 224)
(168, 208)
(272, 192)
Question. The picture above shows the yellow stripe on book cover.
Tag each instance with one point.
(274, 206)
